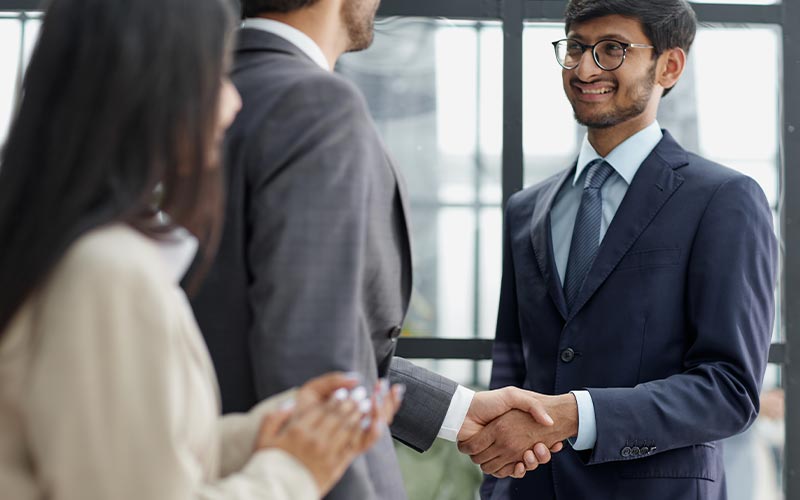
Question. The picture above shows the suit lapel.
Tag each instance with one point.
(407, 253)
(542, 240)
(652, 186)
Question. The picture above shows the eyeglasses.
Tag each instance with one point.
(608, 54)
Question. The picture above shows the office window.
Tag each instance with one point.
(435, 89)
(18, 34)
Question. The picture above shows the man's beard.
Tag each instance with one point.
(359, 20)
(640, 97)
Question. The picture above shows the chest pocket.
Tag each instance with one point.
(659, 257)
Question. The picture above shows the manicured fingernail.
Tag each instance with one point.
(384, 386)
(358, 394)
(365, 405)
(400, 390)
(341, 394)
(288, 405)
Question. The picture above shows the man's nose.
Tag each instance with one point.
(588, 68)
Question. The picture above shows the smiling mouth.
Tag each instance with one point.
(596, 91)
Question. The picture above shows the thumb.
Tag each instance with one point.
(528, 402)
(477, 443)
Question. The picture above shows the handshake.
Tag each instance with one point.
(510, 431)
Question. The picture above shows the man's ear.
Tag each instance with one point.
(670, 67)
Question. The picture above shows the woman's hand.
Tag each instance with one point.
(329, 425)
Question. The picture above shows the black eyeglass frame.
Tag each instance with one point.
(584, 47)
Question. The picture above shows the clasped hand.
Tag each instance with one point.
(510, 431)
(330, 422)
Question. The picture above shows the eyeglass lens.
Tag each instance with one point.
(608, 54)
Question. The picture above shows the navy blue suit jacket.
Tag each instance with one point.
(670, 333)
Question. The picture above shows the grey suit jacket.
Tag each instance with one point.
(314, 269)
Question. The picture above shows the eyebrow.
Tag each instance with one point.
(614, 36)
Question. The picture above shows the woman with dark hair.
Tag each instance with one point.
(109, 182)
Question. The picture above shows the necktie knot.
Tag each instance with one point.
(599, 172)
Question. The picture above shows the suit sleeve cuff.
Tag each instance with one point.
(587, 423)
(456, 413)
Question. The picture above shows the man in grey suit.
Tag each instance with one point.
(313, 272)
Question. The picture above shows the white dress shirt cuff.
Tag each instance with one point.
(587, 423)
(456, 413)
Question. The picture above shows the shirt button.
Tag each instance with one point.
(395, 332)
(626, 452)
(567, 355)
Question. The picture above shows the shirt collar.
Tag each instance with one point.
(292, 35)
(177, 252)
(626, 158)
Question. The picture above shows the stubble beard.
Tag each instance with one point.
(640, 97)
(359, 21)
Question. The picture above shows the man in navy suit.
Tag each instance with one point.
(637, 284)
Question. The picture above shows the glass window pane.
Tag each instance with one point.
(434, 88)
(491, 269)
(10, 39)
(550, 134)
(740, 132)
(32, 26)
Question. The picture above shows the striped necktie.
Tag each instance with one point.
(586, 235)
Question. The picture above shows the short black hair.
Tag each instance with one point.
(252, 8)
(668, 24)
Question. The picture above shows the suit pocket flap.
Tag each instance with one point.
(659, 257)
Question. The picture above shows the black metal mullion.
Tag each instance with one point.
(791, 239)
(513, 155)
(460, 9)
(738, 14)
(443, 348)
(22, 5)
(549, 10)
(553, 10)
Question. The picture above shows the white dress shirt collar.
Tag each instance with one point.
(625, 158)
(292, 35)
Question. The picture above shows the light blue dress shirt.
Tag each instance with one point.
(625, 159)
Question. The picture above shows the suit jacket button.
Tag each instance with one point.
(395, 332)
(626, 452)
(636, 451)
(567, 355)
(645, 450)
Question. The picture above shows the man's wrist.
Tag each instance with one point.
(564, 410)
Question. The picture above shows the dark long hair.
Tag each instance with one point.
(120, 96)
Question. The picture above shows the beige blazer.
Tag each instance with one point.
(107, 391)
